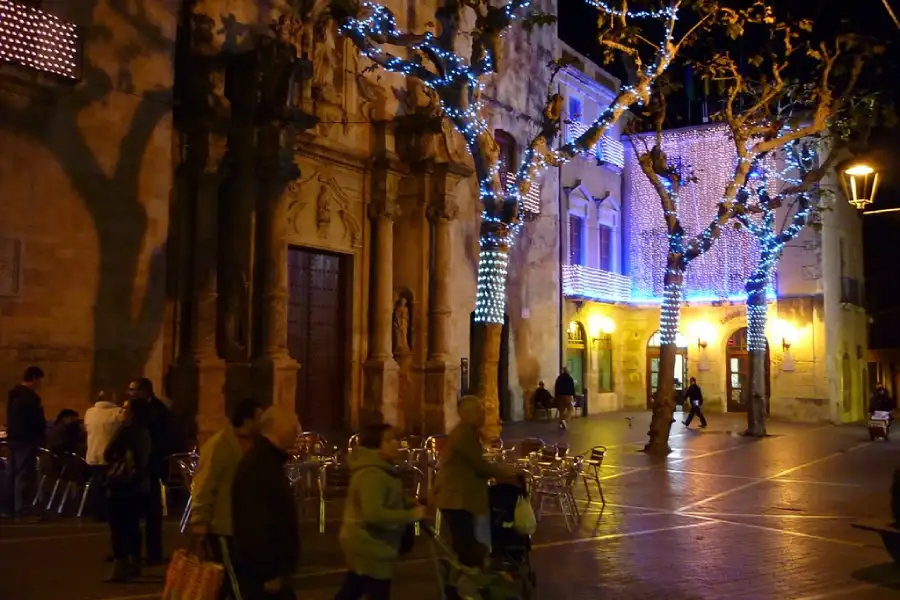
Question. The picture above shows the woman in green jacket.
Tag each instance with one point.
(376, 514)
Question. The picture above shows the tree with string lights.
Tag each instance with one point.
(790, 92)
(458, 82)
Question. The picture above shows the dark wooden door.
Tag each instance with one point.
(317, 336)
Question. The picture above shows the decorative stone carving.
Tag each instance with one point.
(329, 198)
(443, 207)
(323, 210)
(401, 335)
(423, 133)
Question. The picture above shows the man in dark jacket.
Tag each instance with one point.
(695, 397)
(266, 534)
(565, 397)
(26, 426)
(158, 419)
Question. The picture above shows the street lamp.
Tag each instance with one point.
(860, 180)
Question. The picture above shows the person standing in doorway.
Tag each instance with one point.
(26, 427)
(158, 421)
(211, 520)
(565, 397)
(694, 395)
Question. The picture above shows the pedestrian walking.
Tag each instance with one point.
(127, 485)
(376, 516)
(26, 428)
(694, 396)
(266, 535)
(159, 421)
(101, 421)
(211, 515)
(565, 397)
(461, 485)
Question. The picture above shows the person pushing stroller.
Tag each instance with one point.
(461, 485)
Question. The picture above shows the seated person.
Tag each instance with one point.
(881, 401)
(66, 435)
(542, 399)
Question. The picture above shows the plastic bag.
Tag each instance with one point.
(524, 520)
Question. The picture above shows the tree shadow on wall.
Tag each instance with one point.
(125, 329)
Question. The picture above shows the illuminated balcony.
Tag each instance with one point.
(35, 39)
(531, 202)
(593, 284)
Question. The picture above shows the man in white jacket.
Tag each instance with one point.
(100, 424)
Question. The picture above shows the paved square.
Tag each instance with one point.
(722, 517)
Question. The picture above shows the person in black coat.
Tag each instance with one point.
(564, 388)
(67, 434)
(159, 425)
(266, 533)
(26, 427)
(127, 485)
(694, 395)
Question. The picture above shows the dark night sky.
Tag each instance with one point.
(882, 232)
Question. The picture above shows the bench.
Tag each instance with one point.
(889, 532)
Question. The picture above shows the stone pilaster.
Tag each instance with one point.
(382, 373)
(200, 373)
(275, 371)
(441, 369)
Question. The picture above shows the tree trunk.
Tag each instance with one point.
(756, 345)
(664, 403)
(487, 379)
(490, 309)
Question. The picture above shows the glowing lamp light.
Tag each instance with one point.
(860, 180)
(607, 325)
(787, 332)
(704, 332)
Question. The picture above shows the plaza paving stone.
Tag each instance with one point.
(722, 517)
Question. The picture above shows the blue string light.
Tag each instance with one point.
(456, 78)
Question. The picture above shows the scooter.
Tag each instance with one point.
(880, 425)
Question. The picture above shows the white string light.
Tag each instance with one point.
(456, 78)
(719, 273)
(36, 39)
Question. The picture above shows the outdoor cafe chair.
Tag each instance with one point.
(592, 462)
(77, 475)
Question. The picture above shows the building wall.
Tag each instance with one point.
(86, 171)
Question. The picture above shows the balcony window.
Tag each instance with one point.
(605, 240)
(576, 232)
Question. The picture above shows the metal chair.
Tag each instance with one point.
(182, 467)
(557, 484)
(524, 450)
(77, 475)
(49, 466)
(591, 463)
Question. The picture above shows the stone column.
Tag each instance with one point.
(381, 370)
(200, 372)
(275, 370)
(441, 370)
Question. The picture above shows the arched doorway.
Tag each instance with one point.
(737, 375)
(681, 360)
(575, 354)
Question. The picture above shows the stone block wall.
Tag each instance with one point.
(86, 171)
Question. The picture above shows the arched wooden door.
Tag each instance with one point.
(576, 346)
(737, 375)
(681, 360)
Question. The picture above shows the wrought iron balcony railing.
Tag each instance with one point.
(33, 38)
(593, 284)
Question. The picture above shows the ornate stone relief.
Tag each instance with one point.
(329, 198)
(423, 132)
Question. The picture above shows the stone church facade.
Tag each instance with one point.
(226, 200)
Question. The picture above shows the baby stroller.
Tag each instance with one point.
(880, 425)
(509, 575)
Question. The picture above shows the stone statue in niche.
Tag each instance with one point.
(323, 210)
(401, 327)
(235, 317)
